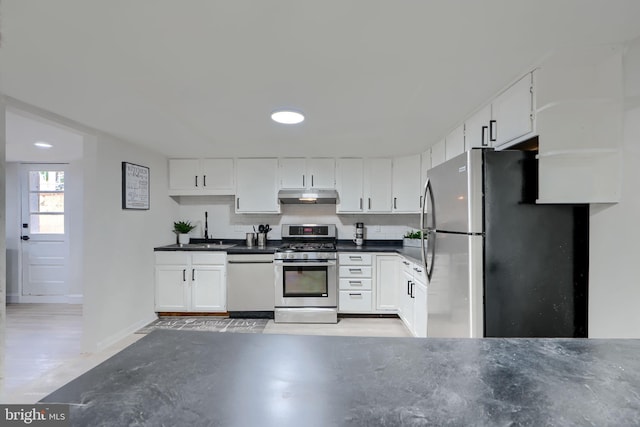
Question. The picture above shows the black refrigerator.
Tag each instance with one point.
(498, 264)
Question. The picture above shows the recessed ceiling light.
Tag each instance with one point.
(287, 117)
(42, 144)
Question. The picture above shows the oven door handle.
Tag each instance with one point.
(305, 263)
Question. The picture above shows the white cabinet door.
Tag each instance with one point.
(292, 173)
(438, 153)
(512, 111)
(208, 288)
(183, 174)
(406, 300)
(321, 173)
(349, 183)
(386, 287)
(454, 143)
(172, 288)
(406, 184)
(419, 309)
(217, 175)
(476, 129)
(378, 177)
(257, 186)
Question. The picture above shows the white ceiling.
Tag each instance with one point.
(201, 77)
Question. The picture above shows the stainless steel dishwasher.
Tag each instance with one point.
(250, 282)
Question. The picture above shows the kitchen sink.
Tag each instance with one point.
(208, 245)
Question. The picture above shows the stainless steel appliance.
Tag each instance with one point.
(250, 285)
(306, 275)
(498, 264)
(359, 236)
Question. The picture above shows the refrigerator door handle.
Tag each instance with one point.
(430, 235)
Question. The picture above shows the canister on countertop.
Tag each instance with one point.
(251, 239)
(262, 240)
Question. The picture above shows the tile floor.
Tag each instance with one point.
(41, 351)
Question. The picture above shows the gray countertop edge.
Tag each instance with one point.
(411, 253)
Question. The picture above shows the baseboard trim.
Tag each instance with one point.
(109, 341)
(44, 299)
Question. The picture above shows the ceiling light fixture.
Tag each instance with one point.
(42, 144)
(287, 117)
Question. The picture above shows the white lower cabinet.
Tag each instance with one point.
(190, 281)
(355, 279)
(386, 275)
(412, 294)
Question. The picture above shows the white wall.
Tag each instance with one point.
(614, 290)
(224, 223)
(118, 244)
(12, 224)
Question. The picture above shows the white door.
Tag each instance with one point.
(44, 229)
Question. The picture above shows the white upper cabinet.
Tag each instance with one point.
(363, 185)
(257, 186)
(407, 189)
(350, 185)
(201, 177)
(307, 173)
(476, 129)
(512, 118)
(438, 153)
(377, 185)
(454, 143)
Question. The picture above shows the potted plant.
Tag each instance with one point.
(412, 239)
(182, 229)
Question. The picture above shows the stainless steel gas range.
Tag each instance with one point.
(306, 275)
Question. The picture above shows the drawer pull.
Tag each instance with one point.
(355, 294)
(355, 270)
(355, 282)
(405, 262)
(418, 270)
(355, 258)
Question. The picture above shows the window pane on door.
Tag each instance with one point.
(46, 202)
(47, 224)
(46, 181)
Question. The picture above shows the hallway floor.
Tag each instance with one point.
(42, 350)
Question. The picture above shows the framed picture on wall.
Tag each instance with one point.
(135, 186)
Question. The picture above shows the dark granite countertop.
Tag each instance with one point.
(226, 379)
(377, 246)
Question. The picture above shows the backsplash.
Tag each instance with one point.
(224, 223)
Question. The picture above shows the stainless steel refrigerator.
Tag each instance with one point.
(498, 264)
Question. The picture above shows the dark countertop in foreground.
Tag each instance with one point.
(343, 246)
(227, 379)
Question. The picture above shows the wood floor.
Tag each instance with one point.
(42, 348)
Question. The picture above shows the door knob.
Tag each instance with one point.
(25, 237)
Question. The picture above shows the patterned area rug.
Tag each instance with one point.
(211, 324)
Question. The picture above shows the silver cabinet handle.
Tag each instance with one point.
(412, 286)
(193, 274)
(355, 294)
(355, 258)
(395, 199)
(355, 270)
(204, 180)
(238, 203)
(196, 180)
(418, 270)
(184, 275)
(355, 282)
(312, 180)
(405, 262)
(369, 202)
(493, 135)
(484, 142)
(360, 202)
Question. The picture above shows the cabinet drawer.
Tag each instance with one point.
(406, 266)
(354, 301)
(419, 273)
(219, 258)
(354, 271)
(172, 258)
(354, 259)
(355, 284)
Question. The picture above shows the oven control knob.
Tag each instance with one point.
(290, 256)
(305, 256)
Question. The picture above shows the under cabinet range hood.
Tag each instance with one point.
(308, 196)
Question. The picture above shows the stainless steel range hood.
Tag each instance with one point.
(308, 196)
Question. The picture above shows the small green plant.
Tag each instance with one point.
(182, 227)
(413, 235)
